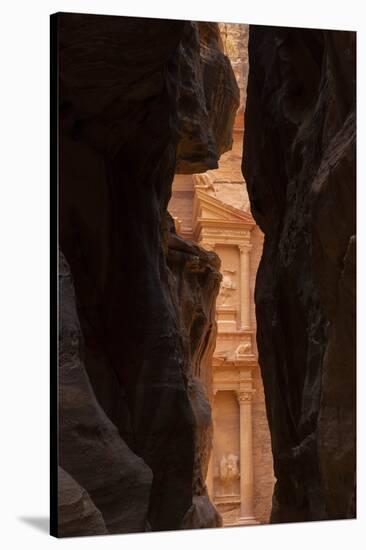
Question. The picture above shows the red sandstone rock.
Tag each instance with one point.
(196, 280)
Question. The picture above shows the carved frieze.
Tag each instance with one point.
(227, 232)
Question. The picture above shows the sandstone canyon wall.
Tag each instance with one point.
(196, 277)
(139, 100)
(299, 165)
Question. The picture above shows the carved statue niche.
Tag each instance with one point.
(227, 287)
(229, 472)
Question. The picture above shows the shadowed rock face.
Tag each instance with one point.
(77, 511)
(121, 119)
(208, 99)
(196, 278)
(102, 466)
(299, 165)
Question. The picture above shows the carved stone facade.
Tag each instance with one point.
(213, 210)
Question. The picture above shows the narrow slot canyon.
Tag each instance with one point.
(212, 209)
(207, 344)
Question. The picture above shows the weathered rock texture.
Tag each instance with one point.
(90, 448)
(122, 115)
(235, 43)
(76, 509)
(208, 99)
(299, 165)
(197, 280)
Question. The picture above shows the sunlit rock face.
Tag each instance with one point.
(122, 116)
(299, 165)
(235, 43)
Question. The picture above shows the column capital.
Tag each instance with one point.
(245, 248)
(245, 396)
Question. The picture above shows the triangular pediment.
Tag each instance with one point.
(208, 207)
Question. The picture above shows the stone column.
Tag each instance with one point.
(209, 478)
(245, 323)
(246, 457)
(210, 469)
